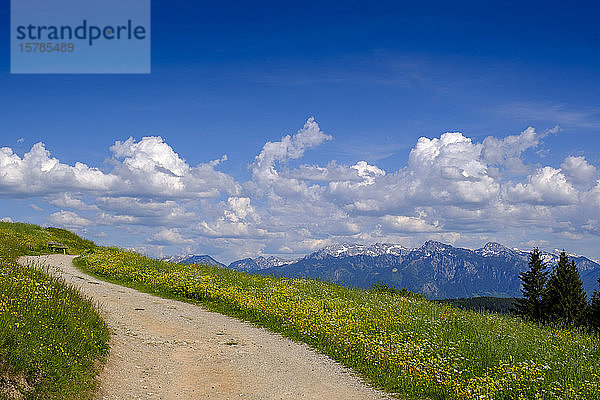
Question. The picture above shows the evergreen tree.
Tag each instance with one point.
(534, 282)
(564, 298)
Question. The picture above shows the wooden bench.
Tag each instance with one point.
(55, 246)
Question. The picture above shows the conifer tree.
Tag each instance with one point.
(534, 282)
(564, 298)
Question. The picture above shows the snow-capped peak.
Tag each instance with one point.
(352, 249)
(271, 261)
(433, 245)
(495, 249)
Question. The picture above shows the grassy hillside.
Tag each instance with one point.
(398, 341)
(18, 239)
(50, 336)
(504, 305)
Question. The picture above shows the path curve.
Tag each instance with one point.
(167, 349)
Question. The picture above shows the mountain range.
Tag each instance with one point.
(259, 263)
(436, 269)
(203, 259)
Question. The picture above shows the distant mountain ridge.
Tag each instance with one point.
(245, 264)
(203, 259)
(349, 250)
(259, 263)
(436, 269)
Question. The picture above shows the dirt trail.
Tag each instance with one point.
(166, 349)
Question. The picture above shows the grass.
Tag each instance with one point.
(51, 338)
(398, 341)
(484, 303)
(19, 239)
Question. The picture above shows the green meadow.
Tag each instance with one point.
(397, 340)
(52, 340)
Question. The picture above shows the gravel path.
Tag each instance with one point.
(166, 349)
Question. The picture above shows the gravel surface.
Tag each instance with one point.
(166, 349)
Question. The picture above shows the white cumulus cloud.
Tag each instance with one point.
(579, 171)
(547, 186)
(289, 147)
(68, 219)
(69, 200)
(146, 168)
(150, 167)
(39, 174)
(453, 188)
(507, 152)
(167, 237)
(403, 223)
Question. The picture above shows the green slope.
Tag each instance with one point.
(396, 340)
(50, 336)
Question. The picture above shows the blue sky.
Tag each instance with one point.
(227, 78)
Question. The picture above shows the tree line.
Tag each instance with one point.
(557, 294)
